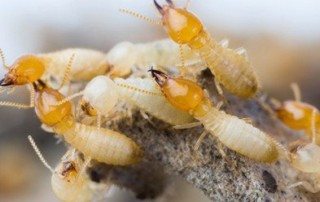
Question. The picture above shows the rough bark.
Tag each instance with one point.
(221, 178)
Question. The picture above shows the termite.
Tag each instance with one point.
(233, 132)
(101, 95)
(69, 180)
(165, 53)
(305, 156)
(53, 66)
(231, 68)
(103, 145)
(297, 114)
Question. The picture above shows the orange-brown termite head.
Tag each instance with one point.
(45, 105)
(25, 70)
(182, 93)
(181, 25)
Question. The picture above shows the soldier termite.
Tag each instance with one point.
(298, 115)
(69, 180)
(102, 94)
(231, 68)
(233, 132)
(103, 145)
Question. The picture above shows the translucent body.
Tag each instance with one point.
(87, 64)
(69, 182)
(307, 158)
(101, 94)
(231, 69)
(125, 55)
(235, 133)
(298, 115)
(103, 145)
(26, 69)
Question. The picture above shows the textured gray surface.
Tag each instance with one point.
(229, 178)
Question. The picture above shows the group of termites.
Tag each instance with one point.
(173, 98)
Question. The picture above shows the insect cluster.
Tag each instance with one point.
(169, 94)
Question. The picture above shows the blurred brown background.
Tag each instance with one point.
(282, 39)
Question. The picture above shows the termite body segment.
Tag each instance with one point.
(231, 69)
(103, 145)
(235, 133)
(102, 94)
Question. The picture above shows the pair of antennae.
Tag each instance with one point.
(3, 59)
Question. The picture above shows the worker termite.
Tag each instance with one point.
(297, 115)
(103, 145)
(69, 180)
(165, 53)
(233, 132)
(101, 94)
(231, 68)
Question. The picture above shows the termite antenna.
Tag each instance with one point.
(159, 76)
(140, 16)
(3, 59)
(39, 154)
(18, 105)
(69, 98)
(313, 125)
(296, 91)
(187, 4)
(160, 9)
(66, 77)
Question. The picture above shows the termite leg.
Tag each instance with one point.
(224, 43)
(306, 185)
(69, 98)
(219, 105)
(140, 16)
(18, 105)
(296, 91)
(200, 139)
(3, 59)
(248, 120)
(38, 152)
(187, 125)
(182, 68)
(145, 116)
(66, 77)
(218, 87)
(85, 164)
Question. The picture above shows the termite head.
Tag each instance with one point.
(296, 115)
(182, 26)
(306, 157)
(26, 69)
(46, 100)
(181, 93)
(100, 95)
(68, 170)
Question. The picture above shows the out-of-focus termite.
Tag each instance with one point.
(102, 94)
(305, 156)
(233, 132)
(298, 115)
(103, 145)
(69, 180)
(231, 68)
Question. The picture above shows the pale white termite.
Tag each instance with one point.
(102, 94)
(233, 132)
(69, 180)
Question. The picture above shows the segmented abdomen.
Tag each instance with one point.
(103, 145)
(240, 136)
(146, 95)
(232, 70)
